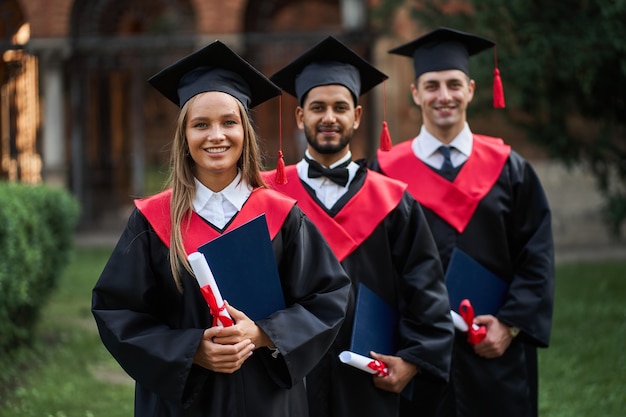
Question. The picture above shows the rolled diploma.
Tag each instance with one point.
(459, 323)
(205, 277)
(359, 361)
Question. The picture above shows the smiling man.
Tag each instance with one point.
(375, 228)
(485, 200)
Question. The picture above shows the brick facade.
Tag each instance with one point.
(269, 34)
(219, 16)
(47, 18)
(51, 18)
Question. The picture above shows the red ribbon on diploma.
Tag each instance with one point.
(379, 367)
(474, 335)
(214, 308)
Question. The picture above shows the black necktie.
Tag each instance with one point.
(447, 162)
(339, 174)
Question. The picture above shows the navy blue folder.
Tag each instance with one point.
(375, 324)
(243, 264)
(466, 278)
(375, 328)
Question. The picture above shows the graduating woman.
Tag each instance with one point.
(148, 306)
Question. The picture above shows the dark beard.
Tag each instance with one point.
(327, 148)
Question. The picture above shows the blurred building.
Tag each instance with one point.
(76, 110)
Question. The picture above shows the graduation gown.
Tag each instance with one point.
(494, 210)
(153, 330)
(378, 232)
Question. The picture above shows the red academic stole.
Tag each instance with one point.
(157, 210)
(453, 201)
(356, 221)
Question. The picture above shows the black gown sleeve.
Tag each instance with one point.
(529, 304)
(149, 327)
(426, 329)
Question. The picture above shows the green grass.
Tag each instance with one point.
(68, 373)
(583, 373)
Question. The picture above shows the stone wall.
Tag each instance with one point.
(579, 233)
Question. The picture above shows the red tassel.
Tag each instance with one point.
(498, 90)
(385, 139)
(281, 177)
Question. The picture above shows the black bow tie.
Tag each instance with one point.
(339, 175)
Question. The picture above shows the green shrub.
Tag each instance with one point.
(36, 229)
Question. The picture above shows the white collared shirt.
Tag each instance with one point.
(326, 191)
(218, 208)
(426, 147)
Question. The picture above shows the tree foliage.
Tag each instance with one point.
(564, 71)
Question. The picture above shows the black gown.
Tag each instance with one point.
(510, 234)
(153, 330)
(399, 262)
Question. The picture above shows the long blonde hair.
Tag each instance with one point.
(181, 180)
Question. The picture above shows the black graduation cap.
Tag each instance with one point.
(215, 67)
(328, 62)
(445, 49)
